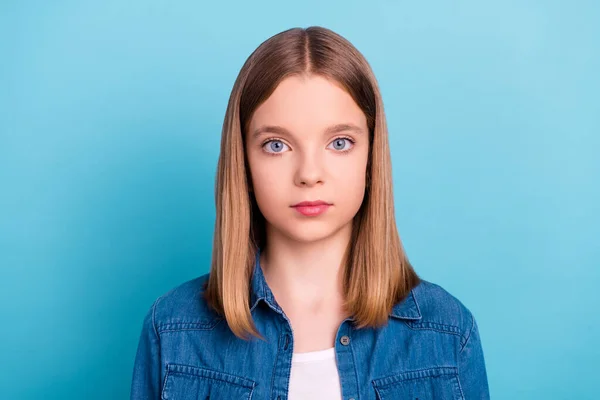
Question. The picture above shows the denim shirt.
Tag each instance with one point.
(429, 349)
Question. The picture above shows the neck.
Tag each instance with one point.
(307, 275)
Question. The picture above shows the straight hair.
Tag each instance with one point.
(377, 273)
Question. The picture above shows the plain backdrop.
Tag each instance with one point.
(110, 122)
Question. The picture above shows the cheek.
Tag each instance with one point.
(269, 189)
(352, 168)
(351, 183)
(267, 176)
(354, 184)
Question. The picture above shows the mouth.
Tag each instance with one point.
(312, 203)
(312, 208)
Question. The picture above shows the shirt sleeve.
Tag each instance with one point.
(471, 366)
(145, 383)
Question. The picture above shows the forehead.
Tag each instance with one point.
(308, 103)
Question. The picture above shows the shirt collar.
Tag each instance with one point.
(405, 309)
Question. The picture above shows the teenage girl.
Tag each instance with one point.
(310, 294)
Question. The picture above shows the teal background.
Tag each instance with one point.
(110, 118)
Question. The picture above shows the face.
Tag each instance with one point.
(308, 141)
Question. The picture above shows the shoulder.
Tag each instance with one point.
(442, 311)
(184, 307)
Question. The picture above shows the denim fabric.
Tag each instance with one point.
(429, 349)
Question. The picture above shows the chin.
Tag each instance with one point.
(308, 233)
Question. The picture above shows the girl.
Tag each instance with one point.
(310, 293)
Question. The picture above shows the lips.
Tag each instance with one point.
(312, 203)
(312, 208)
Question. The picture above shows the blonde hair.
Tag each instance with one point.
(377, 272)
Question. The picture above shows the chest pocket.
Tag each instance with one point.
(439, 383)
(184, 382)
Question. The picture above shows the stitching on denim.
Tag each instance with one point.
(207, 377)
(252, 390)
(192, 322)
(188, 326)
(447, 370)
(353, 359)
(377, 392)
(162, 395)
(276, 361)
(460, 336)
(154, 316)
(164, 382)
(183, 330)
(460, 386)
(412, 292)
(288, 371)
(470, 332)
(215, 375)
(452, 330)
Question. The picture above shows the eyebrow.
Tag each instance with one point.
(282, 131)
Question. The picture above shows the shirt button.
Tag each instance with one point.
(345, 340)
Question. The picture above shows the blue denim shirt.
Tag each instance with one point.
(430, 349)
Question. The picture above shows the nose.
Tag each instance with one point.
(309, 171)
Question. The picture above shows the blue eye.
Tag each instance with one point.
(340, 144)
(274, 146)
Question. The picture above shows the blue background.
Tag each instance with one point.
(110, 118)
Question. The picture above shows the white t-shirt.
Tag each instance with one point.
(314, 376)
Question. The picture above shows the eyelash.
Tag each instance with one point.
(262, 146)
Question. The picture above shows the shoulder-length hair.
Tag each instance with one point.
(377, 272)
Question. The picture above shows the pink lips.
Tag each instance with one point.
(311, 208)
